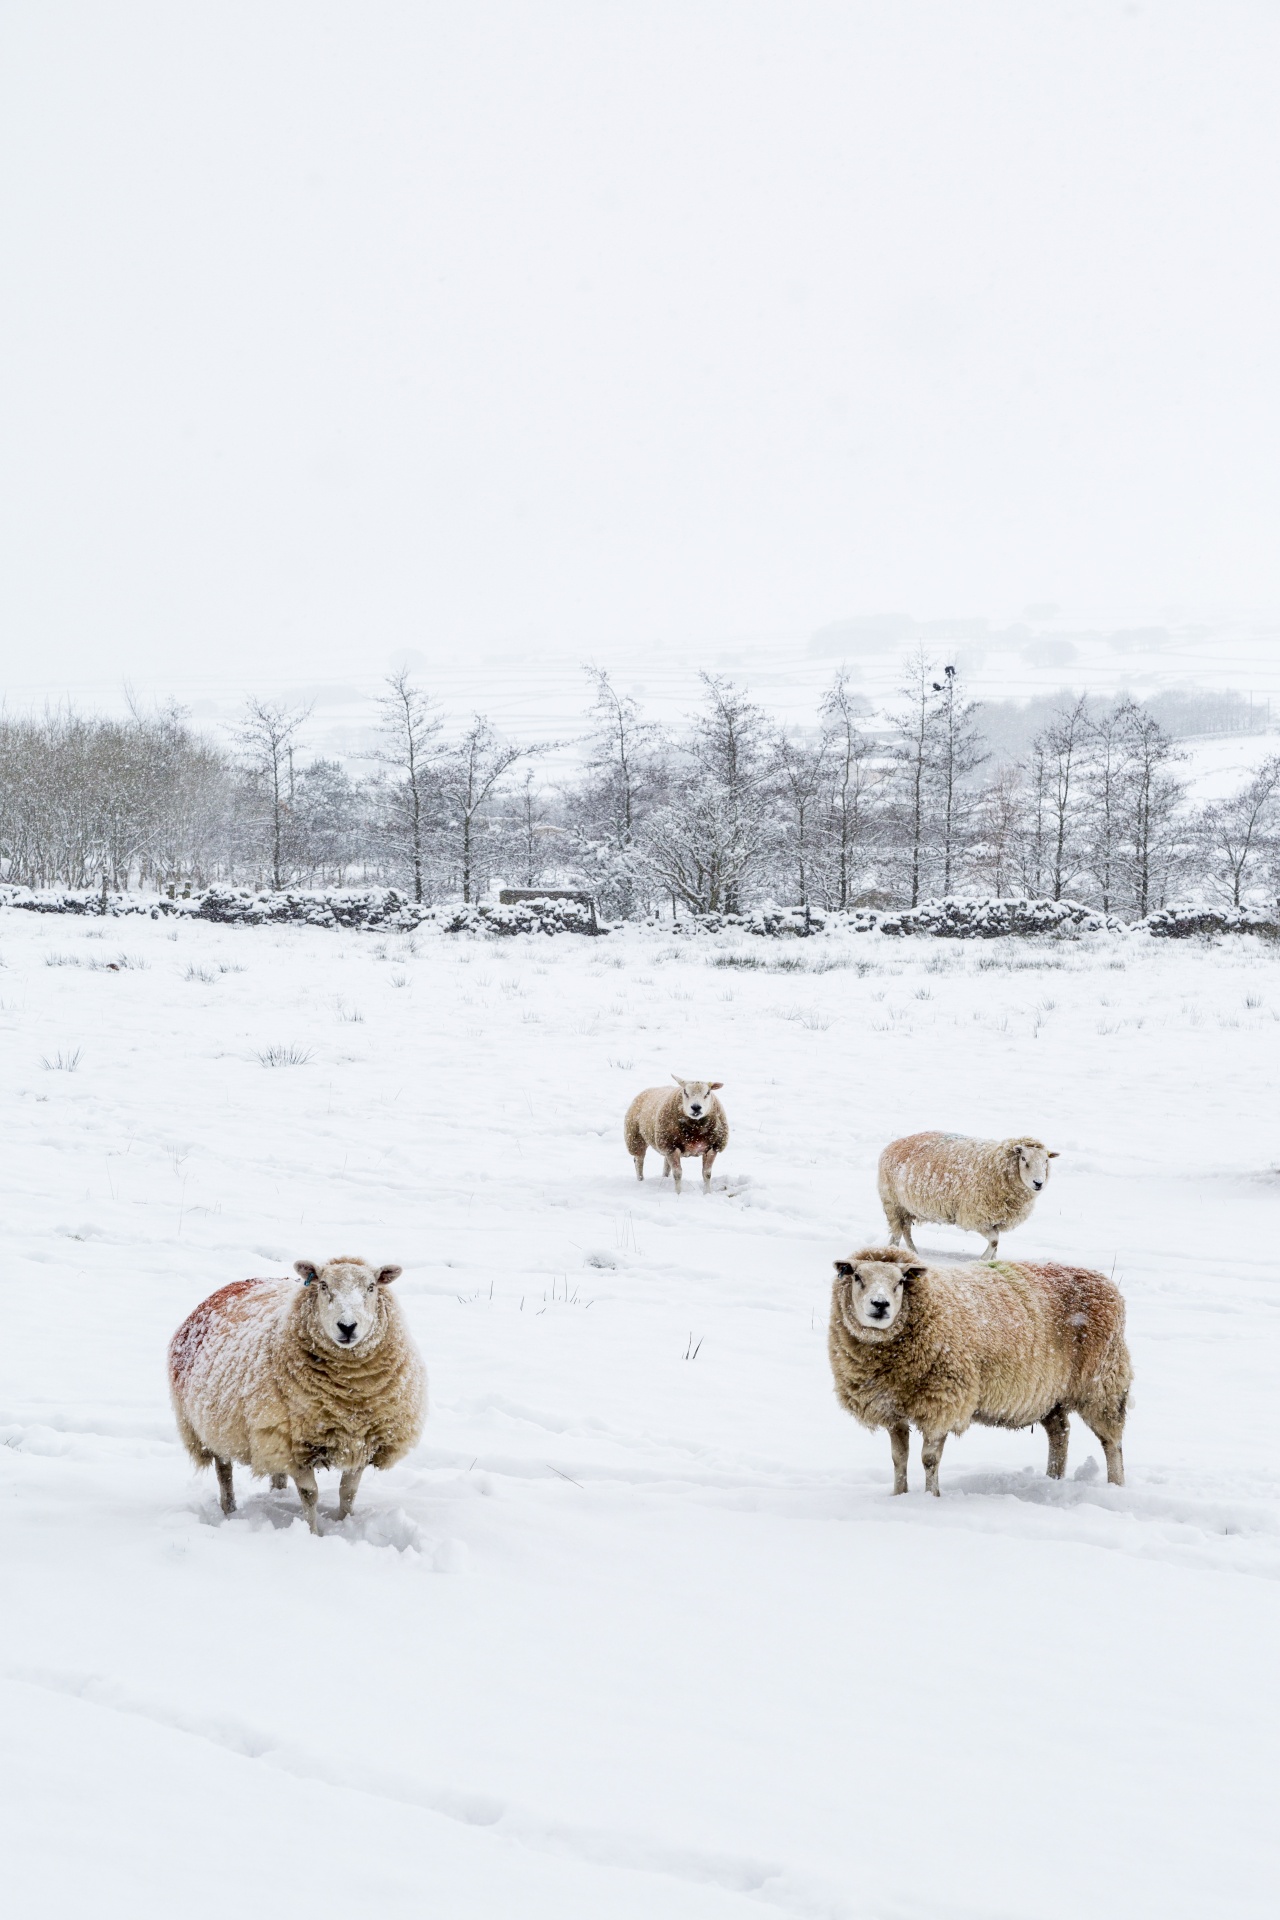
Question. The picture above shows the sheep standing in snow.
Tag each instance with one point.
(984, 1186)
(1009, 1345)
(287, 1378)
(677, 1125)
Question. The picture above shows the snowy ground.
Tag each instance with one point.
(633, 1634)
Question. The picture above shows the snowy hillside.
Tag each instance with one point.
(638, 1632)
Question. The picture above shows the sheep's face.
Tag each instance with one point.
(346, 1304)
(873, 1293)
(1033, 1164)
(697, 1097)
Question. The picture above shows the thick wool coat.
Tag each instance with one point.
(1002, 1344)
(656, 1119)
(254, 1378)
(955, 1181)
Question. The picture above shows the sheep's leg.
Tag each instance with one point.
(933, 1445)
(993, 1241)
(1108, 1427)
(226, 1486)
(900, 1441)
(348, 1487)
(900, 1225)
(1058, 1427)
(666, 1167)
(708, 1161)
(639, 1160)
(676, 1171)
(279, 1481)
(305, 1481)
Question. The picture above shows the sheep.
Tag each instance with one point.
(690, 1121)
(287, 1378)
(1008, 1345)
(984, 1186)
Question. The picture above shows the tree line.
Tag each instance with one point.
(855, 809)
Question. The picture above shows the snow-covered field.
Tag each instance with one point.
(638, 1631)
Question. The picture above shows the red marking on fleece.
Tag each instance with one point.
(195, 1329)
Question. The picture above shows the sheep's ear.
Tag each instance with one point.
(913, 1273)
(1053, 1156)
(845, 1269)
(715, 1085)
(387, 1274)
(679, 1082)
(308, 1270)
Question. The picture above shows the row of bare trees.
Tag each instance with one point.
(854, 809)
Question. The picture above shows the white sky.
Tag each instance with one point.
(335, 331)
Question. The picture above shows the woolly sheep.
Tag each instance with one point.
(287, 1378)
(677, 1125)
(984, 1186)
(1008, 1345)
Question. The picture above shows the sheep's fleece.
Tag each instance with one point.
(257, 1377)
(1006, 1344)
(960, 1182)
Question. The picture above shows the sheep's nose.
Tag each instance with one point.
(1037, 1184)
(695, 1107)
(347, 1328)
(879, 1308)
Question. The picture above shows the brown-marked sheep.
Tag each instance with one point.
(287, 1378)
(677, 1125)
(1009, 1345)
(984, 1186)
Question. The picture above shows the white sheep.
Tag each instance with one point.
(287, 1378)
(984, 1186)
(1009, 1345)
(679, 1124)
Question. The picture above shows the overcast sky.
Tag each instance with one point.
(331, 331)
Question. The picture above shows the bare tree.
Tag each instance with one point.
(325, 821)
(531, 832)
(1239, 832)
(1062, 746)
(606, 810)
(620, 748)
(853, 780)
(801, 776)
(1150, 800)
(916, 727)
(696, 849)
(1103, 795)
(728, 747)
(409, 725)
(472, 771)
(267, 736)
(999, 823)
(958, 755)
